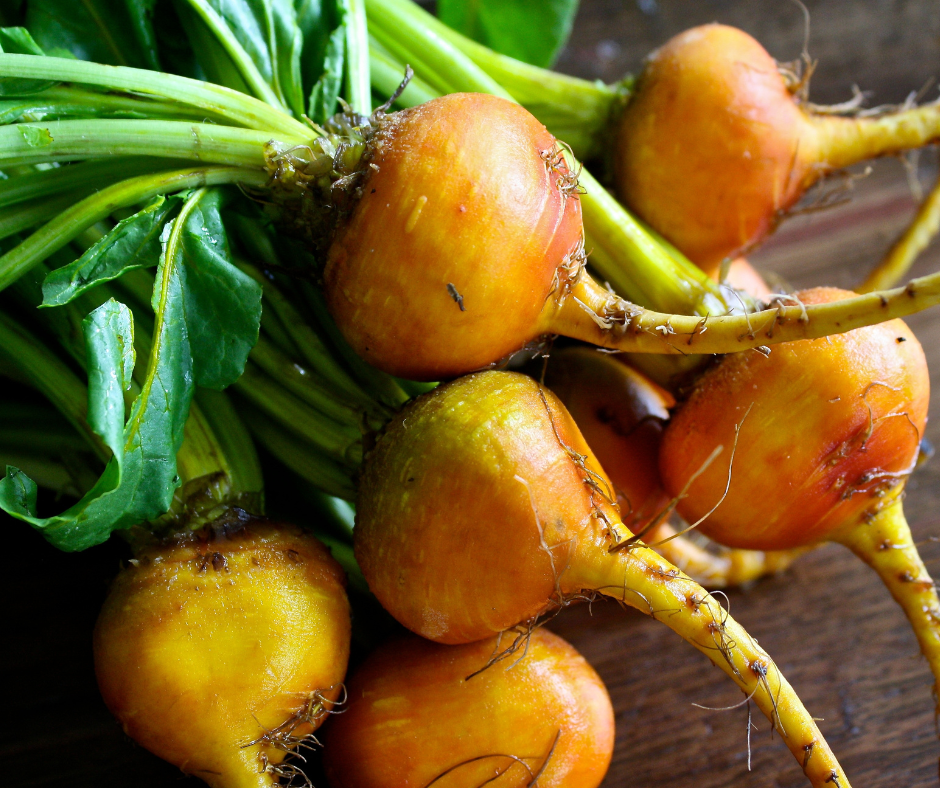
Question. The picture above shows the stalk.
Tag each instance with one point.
(69, 140)
(574, 110)
(91, 175)
(307, 462)
(47, 373)
(242, 60)
(240, 109)
(358, 86)
(386, 74)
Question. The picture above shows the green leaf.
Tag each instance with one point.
(207, 315)
(222, 304)
(263, 39)
(117, 32)
(18, 41)
(326, 90)
(36, 136)
(133, 243)
(533, 31)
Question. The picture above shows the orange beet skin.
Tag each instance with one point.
(827, 428)
(449, 257)
(415, 715)
(713, 149)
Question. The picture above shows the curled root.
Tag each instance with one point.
(283, 737)
(567, 180)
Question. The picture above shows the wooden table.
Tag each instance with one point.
(828, 623)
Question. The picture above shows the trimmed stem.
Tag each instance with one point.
(884, 543)
(646, 581)
(575, 110)
(65, 227)
(358, 86)
(594, 315)
(69, 140)
(915, 239)
(214, 99)
(841, 142)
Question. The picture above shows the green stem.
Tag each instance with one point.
(69, 140)
(387, 75)
(308, 342)
(575, 110)
(239, 108)
(65, 227)
(26, 215)
(63, 101)
(304, 384)
(358, 87)
(51, 376)
(232, 438)
(322, 471)
(90, 175)
(342, 442)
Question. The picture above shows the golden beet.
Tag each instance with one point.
(422, 713)
(827, 427)
(713, 148)
(481, 506)
(452, 251)
(219, 654)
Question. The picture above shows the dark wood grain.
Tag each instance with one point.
(827, 622)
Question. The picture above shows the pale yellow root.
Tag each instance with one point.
(727, 568)
(595, 315)
(841, 142)
(642, 579)
(883, 541)
(916, 238)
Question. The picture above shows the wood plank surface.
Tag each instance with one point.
(827, 622)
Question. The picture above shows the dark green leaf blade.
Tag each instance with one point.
(207, 316)
(222, 304)
(325, 92)
(90, 29)
(133, 243)
(533, 31)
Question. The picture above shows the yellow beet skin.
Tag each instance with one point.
(417, 716)
(217, 654)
